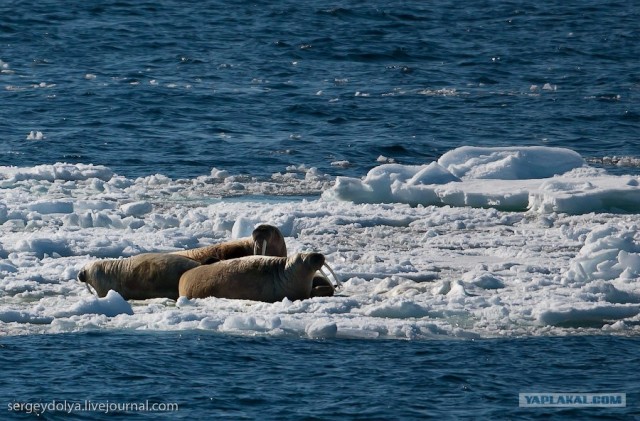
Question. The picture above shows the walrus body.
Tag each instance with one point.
(265, 239)
(322, 287)
(148, 275)
(257, 278)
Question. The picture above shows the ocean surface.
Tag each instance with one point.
(136, 126)
(223, 377)
(177, 87)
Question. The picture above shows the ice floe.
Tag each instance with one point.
(541, 179)
(482, 243)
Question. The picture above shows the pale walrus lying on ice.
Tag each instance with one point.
(257, 278)
(148, 275)
(265, 239)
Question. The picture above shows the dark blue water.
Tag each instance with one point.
(216, 376)
(178, 87)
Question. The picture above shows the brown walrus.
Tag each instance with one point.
(257, 278)
(148, 275)
(322, 287)
(266, 240)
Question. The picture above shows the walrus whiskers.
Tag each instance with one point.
(338, 284)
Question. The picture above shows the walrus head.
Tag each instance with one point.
(314, 260)
(304, 265)
(268, 241)
(84, 276)
(296, 278)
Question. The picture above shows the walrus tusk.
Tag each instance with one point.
(256, 247)
(94, 292)
(82, 277)
(338, 284)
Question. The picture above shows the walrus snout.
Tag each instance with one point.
(260, 237)
(82, 277)
(268, 235)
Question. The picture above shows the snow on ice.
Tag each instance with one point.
(482, 243)
(515, 179)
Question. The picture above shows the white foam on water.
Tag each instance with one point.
(483, 243)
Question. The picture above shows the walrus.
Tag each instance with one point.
(266, 240)
(321, 286)
(257, 278)
(147, 275)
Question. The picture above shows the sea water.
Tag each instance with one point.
(174, 88)
(86, 376)
(469, 170)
